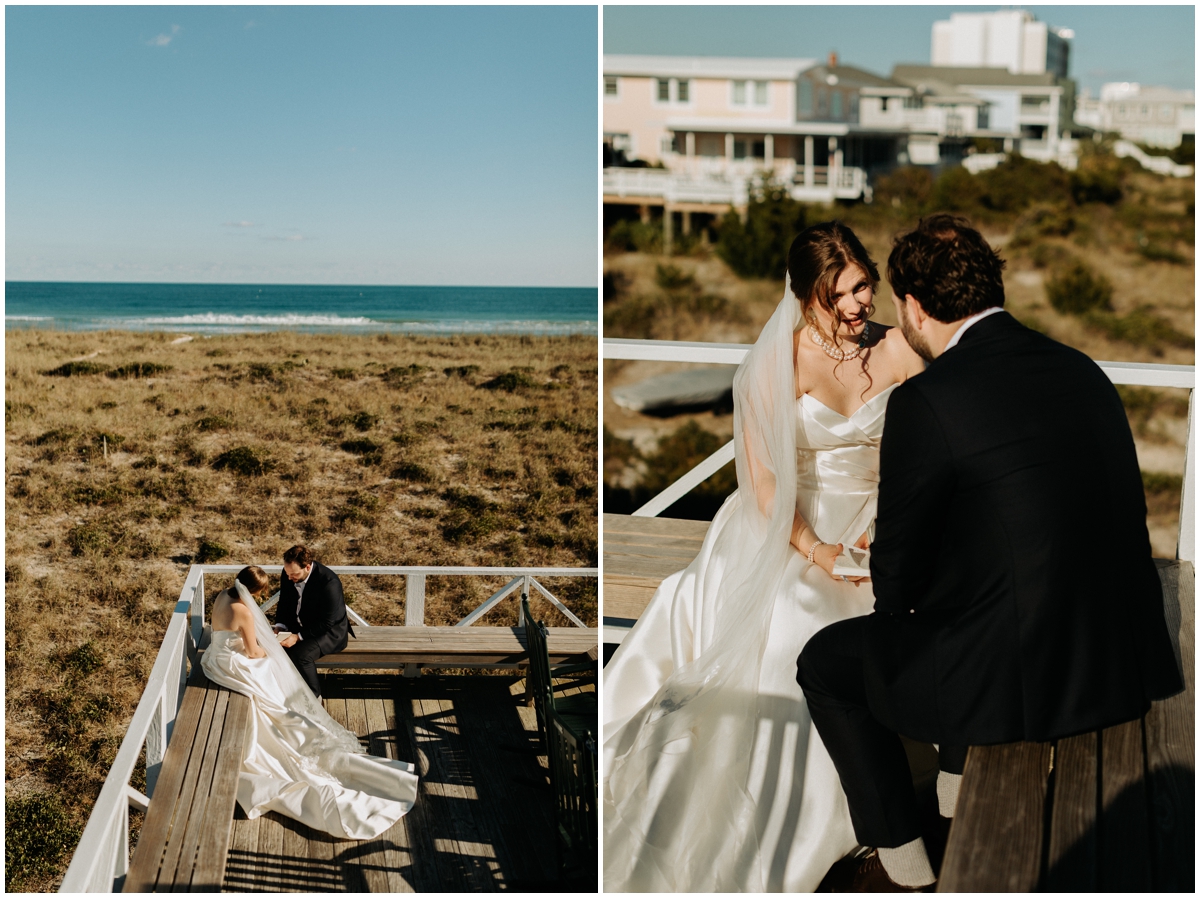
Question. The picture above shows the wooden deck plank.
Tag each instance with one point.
(202, 801)
(381, 725)
(147, 857)
(243, 848)
(173, 856)
(415, 743)
(996, 841)
(213, 849)
(1071, 863)
(1171, 743)
(625, 523)
(1124, 826)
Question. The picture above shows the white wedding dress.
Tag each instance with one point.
(715, 778)
(300, 761)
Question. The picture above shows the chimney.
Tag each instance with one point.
(833, 59)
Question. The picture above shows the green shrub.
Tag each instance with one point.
(245, 460)
(1097, 180)
(360, 447)
(1077, 289)
(957, 190)
(38, 832)
(80, 661)
(1042, 220)
(461, 371)
(758, 247)
(1017, 183)
(95, 538)
(139, 369)
(635, 236)
(1141, 327)
(671, 277)
(403, 375)
(510, 382)
(411, 471)
(75, 369)
(213, 423)
(909, 187)
(209, 551)
(343, 373)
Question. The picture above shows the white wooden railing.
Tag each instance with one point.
(101, 858)
(1131, 373)
(731, 186)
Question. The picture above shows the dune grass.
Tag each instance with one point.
(372, 450)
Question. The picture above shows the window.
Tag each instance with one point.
(682, 90)
(760, 93)
(883, 104)
(739, 149)
(667, 145)
(664, 90)
(854, 106)
(836, 106)
(822, 102)
(610, 86)
(805, 101)
(758, 149)
(739, 93)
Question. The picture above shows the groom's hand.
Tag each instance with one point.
(289, 641)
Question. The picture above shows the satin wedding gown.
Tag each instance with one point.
(300, 762)
(716, 779)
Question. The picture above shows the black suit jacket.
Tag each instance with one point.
(1016, 598)
(323, 610)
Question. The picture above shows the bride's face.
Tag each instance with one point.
(853, 295)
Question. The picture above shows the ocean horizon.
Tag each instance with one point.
(312, 308)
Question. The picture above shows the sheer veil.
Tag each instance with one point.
(300, 699)
(708, 835)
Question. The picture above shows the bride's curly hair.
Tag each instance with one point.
(818, 256)
(254, 579)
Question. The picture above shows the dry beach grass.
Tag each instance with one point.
(130, 455)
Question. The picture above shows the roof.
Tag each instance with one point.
(974, 76)
(766, 69)
(852, 76)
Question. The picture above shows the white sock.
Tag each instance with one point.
(908, 865)
(947, 790)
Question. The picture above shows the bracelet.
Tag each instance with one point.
(813, 548)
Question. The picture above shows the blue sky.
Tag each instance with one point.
(354, 145)
(1151, 44)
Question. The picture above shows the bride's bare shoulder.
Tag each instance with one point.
(898, 353)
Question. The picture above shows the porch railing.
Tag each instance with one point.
(1131, 373)
(731, 186)
(101, 859)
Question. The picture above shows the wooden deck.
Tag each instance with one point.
(483, 820)
(639, 553)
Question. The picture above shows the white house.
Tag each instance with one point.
(1156, 116)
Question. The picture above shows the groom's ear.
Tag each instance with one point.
(915, 309)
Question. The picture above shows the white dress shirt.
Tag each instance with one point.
(970, 321)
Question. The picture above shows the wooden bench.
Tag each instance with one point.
(184, 841)
(639, 553)
(390, 647)
(1107, 811)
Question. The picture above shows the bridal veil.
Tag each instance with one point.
(708, 834)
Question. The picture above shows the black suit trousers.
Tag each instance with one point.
(869, 758)
(304, 655)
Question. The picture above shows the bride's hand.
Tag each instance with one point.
(825, 556)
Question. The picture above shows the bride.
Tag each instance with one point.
(300, 761)
(715, 778)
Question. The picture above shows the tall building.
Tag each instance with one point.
(1009, 39)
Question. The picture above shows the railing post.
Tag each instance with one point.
(156, 742)
(1185, 549)
(414, 611)
(196, 611)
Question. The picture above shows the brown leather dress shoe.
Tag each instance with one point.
(863, 874)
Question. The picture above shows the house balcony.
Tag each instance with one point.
(717, 183)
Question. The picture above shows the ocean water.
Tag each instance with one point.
(231, 308)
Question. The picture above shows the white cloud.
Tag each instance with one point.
(238, 224)
(290, 238)
(163, 39)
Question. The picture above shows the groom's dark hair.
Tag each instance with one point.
(947, 265)
(301, 555)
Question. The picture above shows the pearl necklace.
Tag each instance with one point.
(832, 351)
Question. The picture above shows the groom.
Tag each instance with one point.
(312, 611)
(1015, 595)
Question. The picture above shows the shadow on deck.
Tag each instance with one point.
(484, 818)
